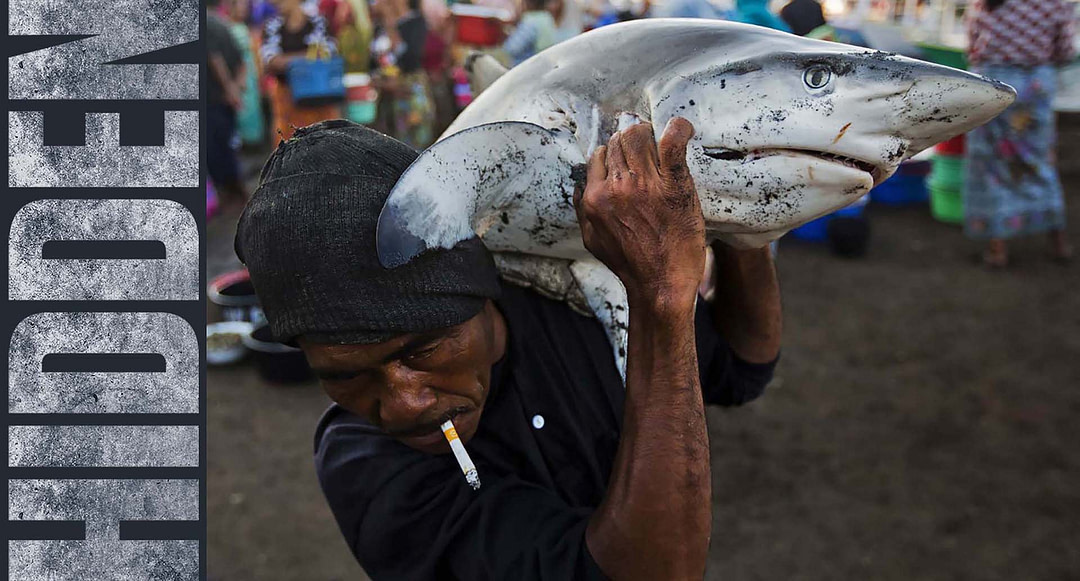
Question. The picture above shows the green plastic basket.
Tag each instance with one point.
(361, 112)
(944, 55)
(947, 172)
(947, 205)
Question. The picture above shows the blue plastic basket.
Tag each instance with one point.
(901, 190)
(317, 81)
(814, 230)
(818, 230)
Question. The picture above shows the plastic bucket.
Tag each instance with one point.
(362, 112)
(954, 146)
(478, 25)
(225, 342)
(947, 205)
(276, 362)
(947, 173)
(234, 295)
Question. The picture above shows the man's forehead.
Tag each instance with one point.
(331, 354)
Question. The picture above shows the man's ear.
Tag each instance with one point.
(495, 324)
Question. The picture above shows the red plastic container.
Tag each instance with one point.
(478, 31)
(954, 146)
(365, 93)
(478, 25)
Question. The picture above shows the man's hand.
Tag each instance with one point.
(640, 214)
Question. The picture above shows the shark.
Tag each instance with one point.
(787, 129)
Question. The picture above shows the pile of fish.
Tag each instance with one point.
(787, 129)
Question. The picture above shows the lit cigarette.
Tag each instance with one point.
(462, 456)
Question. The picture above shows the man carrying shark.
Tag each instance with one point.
(588, 432)
(584, 477)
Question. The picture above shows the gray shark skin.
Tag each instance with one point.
(787, 129)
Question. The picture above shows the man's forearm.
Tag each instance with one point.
(746, 303)
(654, 521)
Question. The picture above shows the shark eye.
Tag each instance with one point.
(817, 76)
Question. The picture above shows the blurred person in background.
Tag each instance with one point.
(249, 118)
(534, 32)
(757, 12)
(261, 11)
(296, 32)
(224, 97)
(569, 18)
(802, 16)
(438, 61)
(406, 108)
(352, 27)
(1011, 185)
(690, 9)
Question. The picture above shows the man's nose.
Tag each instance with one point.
(406, 399)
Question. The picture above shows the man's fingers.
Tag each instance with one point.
(639, 148)
(597, 165)
(595, 173)
(673, 149)
(616, 160)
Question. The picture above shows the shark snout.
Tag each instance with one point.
(945, 102)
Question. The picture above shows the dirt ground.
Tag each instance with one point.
(924, 424)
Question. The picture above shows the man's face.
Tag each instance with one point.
(409, 385)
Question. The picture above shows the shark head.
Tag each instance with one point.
(787, 129)
(783, 138)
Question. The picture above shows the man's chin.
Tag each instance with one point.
(435, 442)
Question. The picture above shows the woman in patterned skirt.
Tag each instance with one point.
(296, 31)
(1012, 187)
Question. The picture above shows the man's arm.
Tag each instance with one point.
(746, 302)
(640, 215)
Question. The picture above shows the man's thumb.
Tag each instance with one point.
(672, 149)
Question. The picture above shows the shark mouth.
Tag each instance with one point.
(725, 154)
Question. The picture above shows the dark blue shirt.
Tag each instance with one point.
(408, 515)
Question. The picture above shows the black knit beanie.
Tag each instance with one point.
(307, 237)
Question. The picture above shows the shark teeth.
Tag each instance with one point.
(725, 154)
(848, 161)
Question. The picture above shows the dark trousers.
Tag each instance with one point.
(222, 163)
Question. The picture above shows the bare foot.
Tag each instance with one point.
(996, 255)
(1060, 249)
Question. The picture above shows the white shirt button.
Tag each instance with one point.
(538, 421)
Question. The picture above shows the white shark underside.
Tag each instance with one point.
(787, 129)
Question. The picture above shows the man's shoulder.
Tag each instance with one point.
(338, 424)
(355, 459)
(521, 300)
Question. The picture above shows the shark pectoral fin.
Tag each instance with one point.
(483, 70)
(607, 299)
(454, 190)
